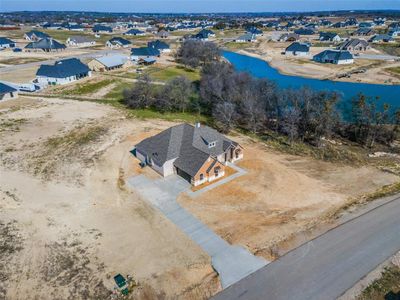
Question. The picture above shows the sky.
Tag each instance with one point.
(196, 6)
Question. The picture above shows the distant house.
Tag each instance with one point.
(80, 41)
(159, 45)
(381, 38)
(354, 45)
(35, 35)
(366, 25)
(162, 34)
(76, 27)
(6, 43)
(7, 92)
(118, 42)
(339, 25)
(364, 31)
(109, 62)
(246, 38)
(289, 37)
(62, 72)
(298, 49)
(394, 32)
(50, 25)
(337, 57)
(198, 154)
(45, 45)
(101, 29)
(329, 37)
(144, 55)
(304, 31)
(135, 32)
(255, 31)
(203, 35)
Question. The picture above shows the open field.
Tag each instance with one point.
(72, 225)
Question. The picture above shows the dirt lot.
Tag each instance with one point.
(67, 223)
(280, 196)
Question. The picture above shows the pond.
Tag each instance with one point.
(259, 68)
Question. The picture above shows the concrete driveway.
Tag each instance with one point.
(231, 262)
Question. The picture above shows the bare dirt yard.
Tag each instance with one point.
(280, 196)
(67, 222)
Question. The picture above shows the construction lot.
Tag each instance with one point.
(69, 223)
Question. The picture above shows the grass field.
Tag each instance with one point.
(88, 87)
(165, 74)
(236, 46)
(20, 60)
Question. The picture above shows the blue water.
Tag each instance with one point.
(389, 94)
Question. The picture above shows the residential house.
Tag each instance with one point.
(118, 42)
(365, 31)
(62, 72)
(329, 37)
(199, 154)
(162, 34)
(381, 38)
(35, 35)
(109, 62)
(80, 41)
(339, 25)
(45, 45)
(160, 46)
(7, 92)
(145, 55)
(101, 29)
(135, 32)
(298, 49)
(394, 32)
(304, 31)
(289, 37)
(76, 27)
(246, 38)
(337, 57)
(255, 31)
(366, 25)
(354, 45)
(203, 35)
(6, 43)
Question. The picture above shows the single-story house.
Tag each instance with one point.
(197, 153)
(35, 35)
(101, 29)
(394, 32)
(140, 54)
(382, 38)
(109, 62)
(304, 31)
(255, 31)
(337, 57)
(364, 31)
(62, 72)
(76, 27)
(246, 38)
(46, 45)
(298, 49)
(135, 32)
(7, 92)
(80, 41)
(160, 46)
(203, 35)
(329, 37)
(366, 25)
(354, 45)
(339, 25)
(118, 42)
(289, 37)
(6, 43)
(162, 34)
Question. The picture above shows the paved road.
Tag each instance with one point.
(91, 54)
(232, 263)
(327, 266)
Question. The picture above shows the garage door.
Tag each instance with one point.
(184, 175)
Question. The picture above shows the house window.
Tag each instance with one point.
(216, 171)
(201, 176)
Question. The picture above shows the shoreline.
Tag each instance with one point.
(282, 71)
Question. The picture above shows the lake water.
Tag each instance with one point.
(388, 93)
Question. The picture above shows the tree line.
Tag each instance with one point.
(237, 100)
